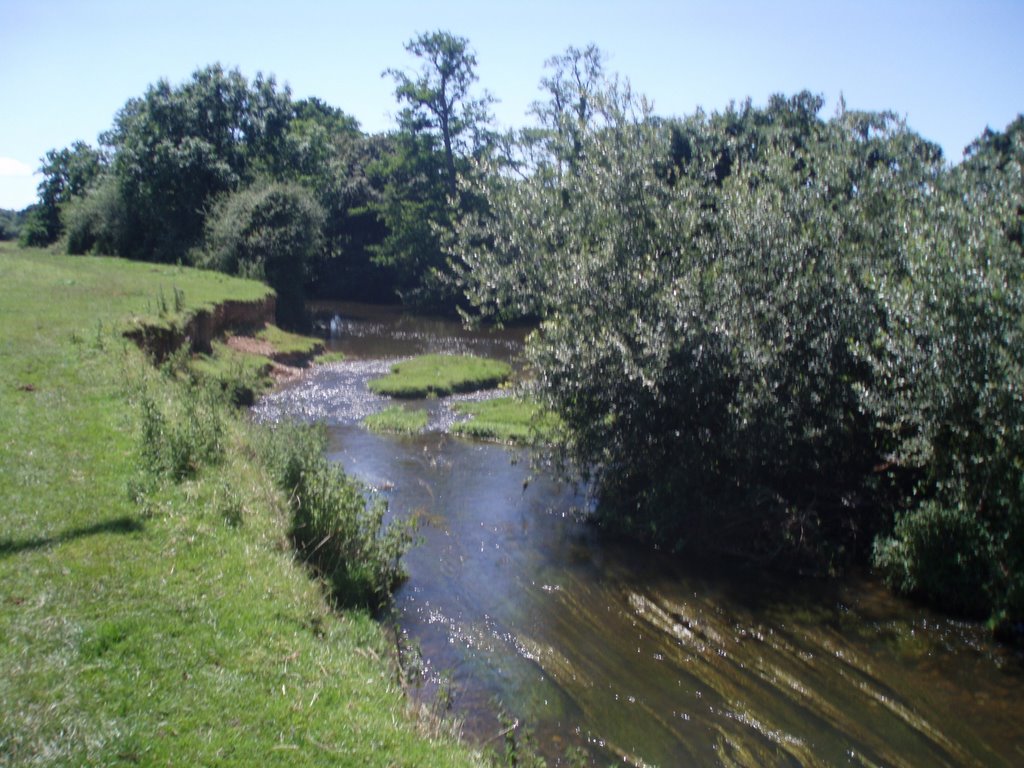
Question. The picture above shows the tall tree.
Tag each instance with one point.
(327, 153)
(441, 127)
(438, 99)
(576, 87)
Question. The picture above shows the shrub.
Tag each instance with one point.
(335, 529)
(939, 554)
(184, 432)
(270, 231)
(95, 221)
(948, 373)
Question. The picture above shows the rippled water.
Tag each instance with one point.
(521, 610)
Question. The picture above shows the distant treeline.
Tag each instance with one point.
(767, 333)
(11, 223)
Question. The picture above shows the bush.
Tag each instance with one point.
(947, 384)
(941, 555)
(774, 334)
(184, 432)
(11, 223)
(270, 231)
(94, 222)
(701, 288)
(334, 528)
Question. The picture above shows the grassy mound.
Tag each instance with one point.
(506, 420)
(441, 375)
(161, 621)
(287, 343)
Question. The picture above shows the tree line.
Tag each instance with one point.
(767, 333)
(234, 174)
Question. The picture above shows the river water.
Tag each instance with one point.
(523, 613)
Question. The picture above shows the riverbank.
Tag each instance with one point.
(166, 624)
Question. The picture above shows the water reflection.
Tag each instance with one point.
(638, 656)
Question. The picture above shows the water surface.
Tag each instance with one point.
(522, 612)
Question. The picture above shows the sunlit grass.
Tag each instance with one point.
(397, 420)
(158, 622)
(329, 357)
(441, 375)
(287, 343)
(244, 375)
(507, 420)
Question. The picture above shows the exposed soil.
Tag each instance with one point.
(201, 328)
(248, 345)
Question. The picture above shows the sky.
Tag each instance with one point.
(949, 68)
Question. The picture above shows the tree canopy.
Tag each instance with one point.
(442, 127)
(769, 333)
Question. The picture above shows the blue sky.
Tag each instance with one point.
(950, 68)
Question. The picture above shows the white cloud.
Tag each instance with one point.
(17, 192)
(11, 168)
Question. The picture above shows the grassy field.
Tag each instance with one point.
(441, 375)
(159, 623)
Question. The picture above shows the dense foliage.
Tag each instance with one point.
(771, 333)
(11, 223)
(948, 387)
(68, 174)
(270, 232)
(334, 528)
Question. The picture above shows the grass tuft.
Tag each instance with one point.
(290, 344)
(329, 357)
(334, 527)
(397, 420)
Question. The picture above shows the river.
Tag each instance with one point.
(523, 613)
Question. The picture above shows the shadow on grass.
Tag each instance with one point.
(117, 525)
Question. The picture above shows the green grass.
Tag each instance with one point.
(441, 375)
(506, 420)
(286, 343)
(397, 420)
(329, 357)
(159, 623)
(244, 375)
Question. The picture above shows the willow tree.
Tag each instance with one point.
(701, 290)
